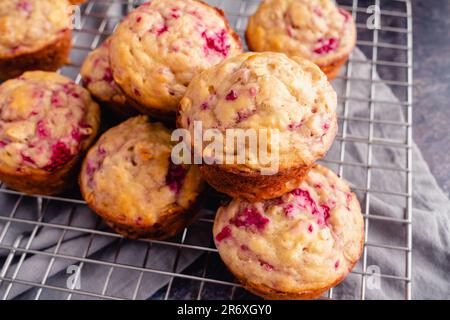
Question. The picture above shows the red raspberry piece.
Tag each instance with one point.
(24, 5)
(266, 265)
(175, 177)
(86, 81)
(163, 29)
(41, 130)
(327, 45)
(107, 76)
(224, 234)
(231, 96)
(55, 100)
(26, 158)
(61, 154)
(250, 217)
(217, 43)
(305, 202)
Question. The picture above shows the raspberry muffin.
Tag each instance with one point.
(34, 35)
(312, 29)
(296, 246)
(287, 103)
(47, 122)
(97, 78)
(159, 47)
(129, 180)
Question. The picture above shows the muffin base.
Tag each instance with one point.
(332, 69)
(268, 293)
(36, 181)
(49, 58)
(252, 186)
(167, 227)
(170, 226)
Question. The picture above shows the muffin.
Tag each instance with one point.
(314, 30)
(296, 246)
(34, 35)
(97, 78)
(47, 122)
(129, 180)
(289, 102)
(160, 46)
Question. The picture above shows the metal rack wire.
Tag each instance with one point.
(66, 217)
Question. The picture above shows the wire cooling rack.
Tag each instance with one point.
(49, 246)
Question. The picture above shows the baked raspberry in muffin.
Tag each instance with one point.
(77, 1)
(296, 246)
(129, 180)
(97, 78)
(159, 47)
(34, 35)
(313, 29)
(47, 122)
(289, 98)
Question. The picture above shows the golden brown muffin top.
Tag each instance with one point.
(313, 29)
(29, 25)
(160, 46)
(44, 120)
(291, 97)
(128, 174)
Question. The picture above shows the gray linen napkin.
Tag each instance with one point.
(431, 225)
(431, 207)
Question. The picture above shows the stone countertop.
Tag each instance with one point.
(431, 110)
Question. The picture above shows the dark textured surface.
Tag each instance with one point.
(432, 85)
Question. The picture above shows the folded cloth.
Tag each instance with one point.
(431, 207)
(431, 225)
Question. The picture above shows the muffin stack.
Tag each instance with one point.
(297, 231)
(292, 228)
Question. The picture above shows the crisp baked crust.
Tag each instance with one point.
(129, 180)
(264, 91)
(47, 122)
(252, 186)
(315, 30)
(261, 91)
(97, 78)
(296, 246)
(49, 58)
(160, 46)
